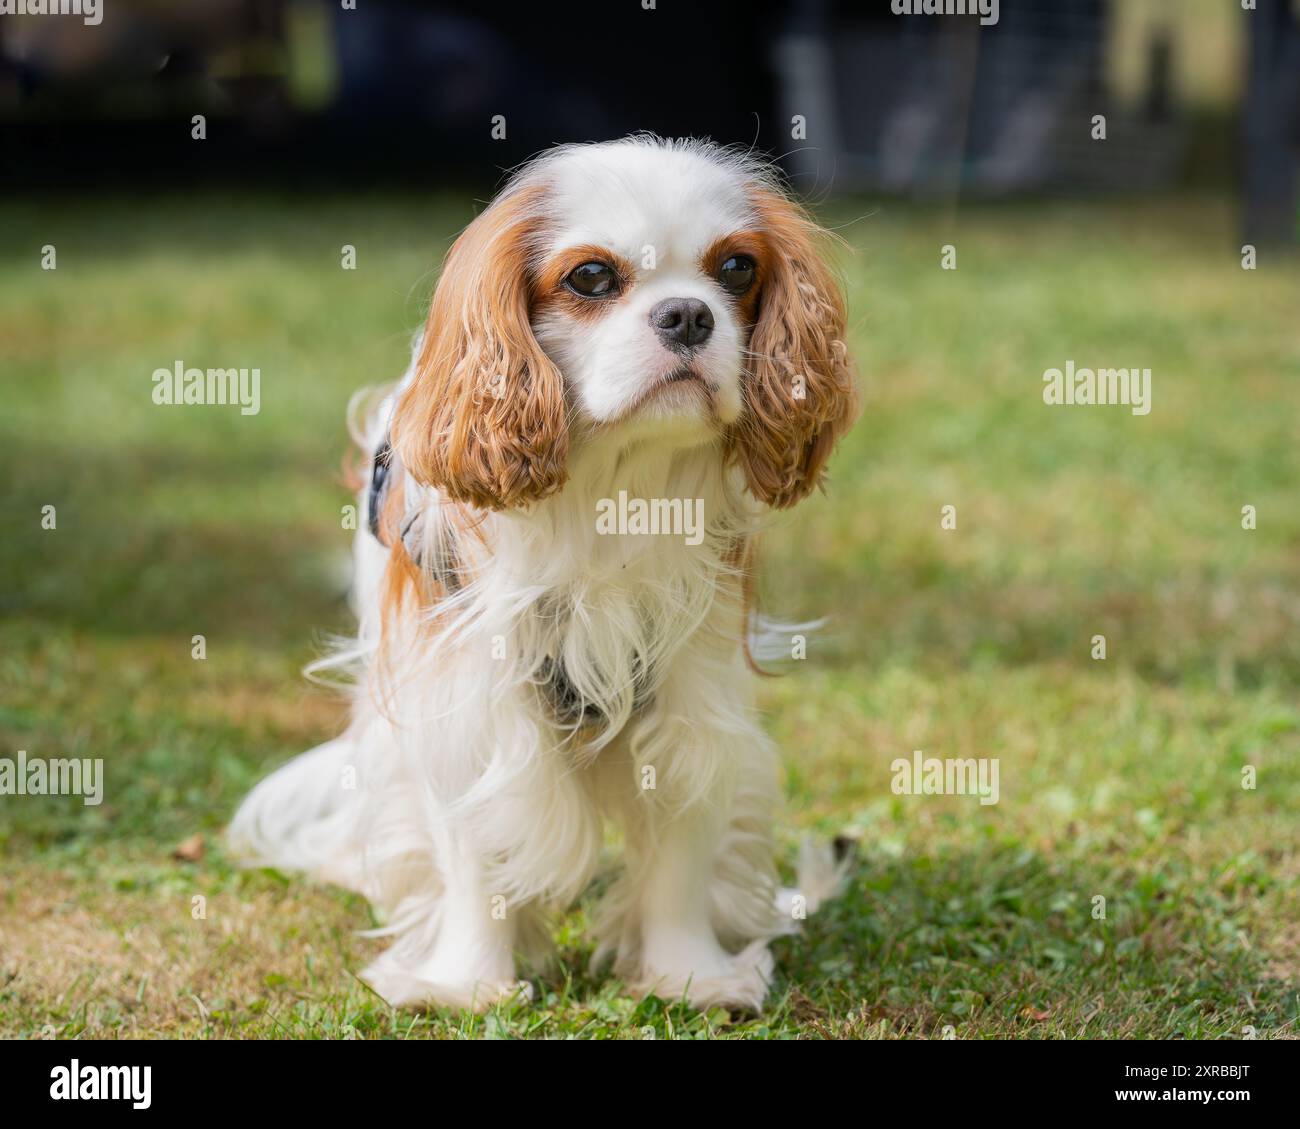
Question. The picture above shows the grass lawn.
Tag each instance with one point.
(1120, 779)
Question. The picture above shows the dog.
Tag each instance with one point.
(632, 333)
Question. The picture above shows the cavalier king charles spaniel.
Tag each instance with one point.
(644, 321)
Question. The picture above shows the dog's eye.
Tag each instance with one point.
(736, 274)
(593, 280)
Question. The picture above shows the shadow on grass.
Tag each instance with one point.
(1004, 939)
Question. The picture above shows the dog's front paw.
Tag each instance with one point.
(403, 988)
(710, 977)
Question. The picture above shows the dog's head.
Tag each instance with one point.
(661, 291)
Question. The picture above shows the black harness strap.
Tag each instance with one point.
(384, 470)
(568, 704)
(380, 466)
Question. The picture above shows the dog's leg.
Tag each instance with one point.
(455, 946)
(700, 881)
(681, 955)
(494, 857)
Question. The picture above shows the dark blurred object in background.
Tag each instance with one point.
(385, 91)
(1272, 123)
(851, 95)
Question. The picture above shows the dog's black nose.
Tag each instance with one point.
(682, 323)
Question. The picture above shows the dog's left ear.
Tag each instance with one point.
(799, 391)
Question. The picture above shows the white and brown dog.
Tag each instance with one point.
(642, 320)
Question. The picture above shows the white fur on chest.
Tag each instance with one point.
(613, 608)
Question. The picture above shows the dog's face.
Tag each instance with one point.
(647, 289)
(653, 289)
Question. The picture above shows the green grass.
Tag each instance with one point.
(1120, 779)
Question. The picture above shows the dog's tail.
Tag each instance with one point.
(296, 819)
(821, 873)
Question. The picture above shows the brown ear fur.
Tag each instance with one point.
(484, 419)
(800, 395)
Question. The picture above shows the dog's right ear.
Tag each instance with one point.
(484, 419)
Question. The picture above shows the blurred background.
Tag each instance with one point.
(181, 181)
(410, 91)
